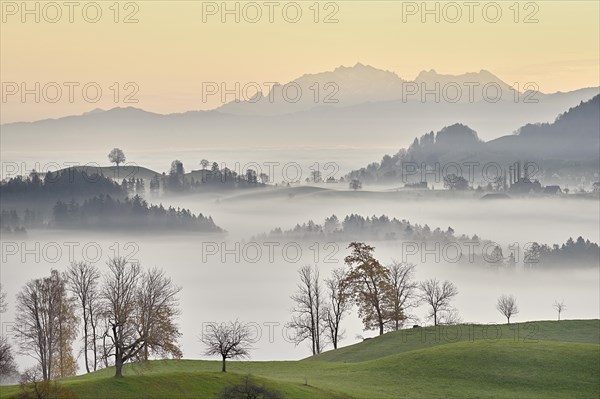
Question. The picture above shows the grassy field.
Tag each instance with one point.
(545, 360)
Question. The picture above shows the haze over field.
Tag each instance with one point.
(292, 199)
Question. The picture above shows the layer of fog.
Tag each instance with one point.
(278, 163)
(256, 288)
(544, 220)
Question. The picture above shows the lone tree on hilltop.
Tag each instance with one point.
(507, 305)
(228, 340)
(438, 296)
(116, 156)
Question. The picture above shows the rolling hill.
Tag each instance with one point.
(551, 360)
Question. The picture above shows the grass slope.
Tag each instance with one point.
(124, 171)
(481, 368)
(582, 331)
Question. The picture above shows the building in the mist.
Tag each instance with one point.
(520, 181)
(552, 190)
(420, 185)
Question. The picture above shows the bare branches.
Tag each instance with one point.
(228, 340)
(507, 305)
(402, 294)
(46, 322)
(83, 280)
(140, 310)
(307, 319)
(7, 361)
(338, 304)
(560, 307)
(3, 304)
(438, 296)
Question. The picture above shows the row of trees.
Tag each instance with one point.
(214, 178)
(384, 296)
(127, 313)
(130, 213)
(507, 306)
(70, 182)
(383, 227)
(580, 251)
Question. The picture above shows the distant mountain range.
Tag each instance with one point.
(355, 106)
(348, 86)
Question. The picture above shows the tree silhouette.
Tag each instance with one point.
(507, 305)
(560, 307)
(228, 340)
(438, 296)
(116, 156)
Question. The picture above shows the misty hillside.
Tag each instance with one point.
(574, 134)
(370, 110)
(572, 139)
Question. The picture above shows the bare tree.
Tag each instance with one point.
(140, 312)
(228, 340)
(449, 317)
(507, 305)
(83, 281)
(402, 293)
(307, 319)
(158, 306)
(204, 163)
(560, 307)
(3, 303)
(7, 360)
(45, 320)
(338, 304)
(438, 296)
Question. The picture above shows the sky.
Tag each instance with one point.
(156, 55)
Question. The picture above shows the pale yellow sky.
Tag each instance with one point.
(170, 50)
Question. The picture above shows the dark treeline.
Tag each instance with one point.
(131, 213)
(383, 228)
(11, 222)
(106, 212)
(213, 178)
(69, 183)
(354, 227)
(557, 155)
(375, 228)
(581, 252)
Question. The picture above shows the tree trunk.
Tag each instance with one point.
(435, 318)
(118, 367)
(85, 338)
(223, 369)
(118, 354)
(94, 344)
